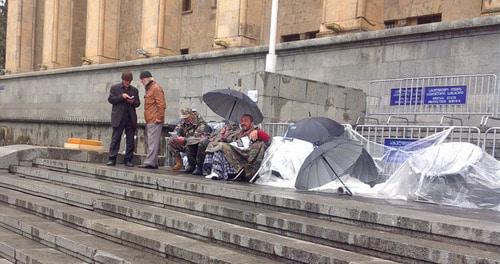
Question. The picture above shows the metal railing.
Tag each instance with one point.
(477, 94)
(491, 142)
(379, 133)
(451, 118)
(486, 119)
(275, 129)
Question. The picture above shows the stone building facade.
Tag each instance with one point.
(49, 34)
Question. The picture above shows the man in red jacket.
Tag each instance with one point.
(239, 154)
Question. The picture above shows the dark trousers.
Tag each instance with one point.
(196, 152)
(126, 125)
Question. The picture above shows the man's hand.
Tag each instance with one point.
(129, 101)
(126, 96)
(253, 135)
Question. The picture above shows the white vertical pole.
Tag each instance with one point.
(271, 56)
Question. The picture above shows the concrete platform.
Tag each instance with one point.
(191, 219)
(18, 249)
(356, 238)
(159, 241)
(474, 225)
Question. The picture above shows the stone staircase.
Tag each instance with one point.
(57, 211)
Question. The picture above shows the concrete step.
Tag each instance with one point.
(212, 230)
(415, 219)
(18, 249)
(157, 241)
(4, 261)
(353, 238)
(61, 193)
(81, 245)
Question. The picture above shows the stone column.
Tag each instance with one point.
(103, 21)
(490, 7)
(20, 36)
(238, 23)
(161, 21)
(57, 33)
(351, 15)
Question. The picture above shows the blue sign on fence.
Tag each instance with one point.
(406, 96)
(393, 154)
(398, 142)
(430, 95)
(445, 95)
(2, 87)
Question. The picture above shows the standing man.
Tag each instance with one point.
(154, 115)
(125, 99)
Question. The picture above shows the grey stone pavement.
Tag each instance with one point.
(81, 211)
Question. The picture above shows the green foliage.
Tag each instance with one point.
(3, 30)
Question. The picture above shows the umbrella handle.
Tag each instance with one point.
(232, 109)
(348, 191)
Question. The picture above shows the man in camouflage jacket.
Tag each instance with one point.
(191, 137)
(228, 159)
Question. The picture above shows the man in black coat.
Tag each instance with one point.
(125, 99)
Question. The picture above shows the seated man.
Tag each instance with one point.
(187, 136)
(239, 153)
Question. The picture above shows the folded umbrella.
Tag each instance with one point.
(232, 104)
(315, 129)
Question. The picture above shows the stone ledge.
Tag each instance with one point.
(16, 154)
(260, 51)
(158, 241)
(71, 241)
(258, 241)
(350, 210)
(303, 227)
(19, 249)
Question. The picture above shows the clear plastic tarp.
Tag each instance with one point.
(429, 170)
(282, 162)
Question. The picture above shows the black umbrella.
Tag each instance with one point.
(333, 159)
(232, 104)
(315, 129)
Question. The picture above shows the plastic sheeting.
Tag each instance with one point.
(429, 170)
(282, 162)
(458, 174)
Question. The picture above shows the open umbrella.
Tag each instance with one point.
(232, 104)
(315, 129)
(333, 159)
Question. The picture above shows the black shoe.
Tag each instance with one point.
(147, 166)
(197, 171)
(111, 163)
(128, 164)
(189, 169)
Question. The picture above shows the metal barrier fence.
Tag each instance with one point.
(380, 133)
(477, 94)
(275, 129)
(491, 141)
(398, 136)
